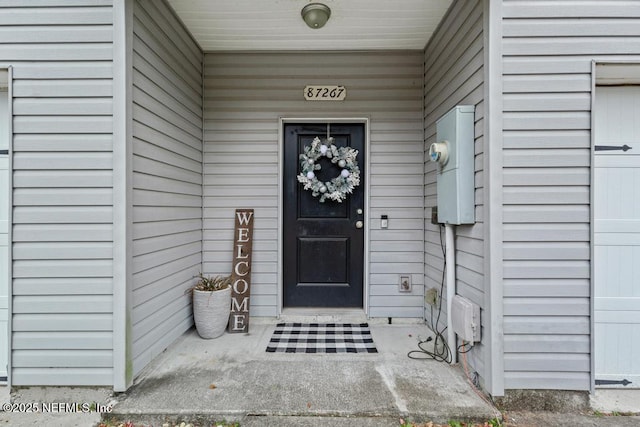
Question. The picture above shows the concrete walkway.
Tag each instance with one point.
(233, 378)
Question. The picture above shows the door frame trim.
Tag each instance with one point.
(9, 273)
(320, 119)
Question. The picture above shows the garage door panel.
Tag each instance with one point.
(619, 356)
(616, 238)
(617, 193)
(621, 161)
(617, 304)
(616, 270)
(617, 226)
(617, 317)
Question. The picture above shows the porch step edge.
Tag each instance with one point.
(305, 315)
(336, 318)
(298, 419)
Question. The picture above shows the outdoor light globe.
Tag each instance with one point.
(316, 15)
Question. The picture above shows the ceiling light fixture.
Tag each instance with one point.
(316, 15)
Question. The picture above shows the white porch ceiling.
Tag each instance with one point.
(255, 25)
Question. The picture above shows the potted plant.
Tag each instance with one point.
(211, 305)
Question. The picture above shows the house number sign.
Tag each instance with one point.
(241, 271)
(325, 93)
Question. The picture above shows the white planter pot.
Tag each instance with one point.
(211, 312)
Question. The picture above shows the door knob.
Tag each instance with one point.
(359, 224)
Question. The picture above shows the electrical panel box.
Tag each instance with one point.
(454, 153)
(465, 319)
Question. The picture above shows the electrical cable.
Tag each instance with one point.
(445, 354)
(441, 350)
(433, 327)
(473, 382)
(422, 354)
(461, 347)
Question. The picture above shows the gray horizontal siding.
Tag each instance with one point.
(246, 94)
(548, 49)
(167, 178)
(62, 213)
(454, 76)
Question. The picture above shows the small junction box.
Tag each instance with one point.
(465, 319)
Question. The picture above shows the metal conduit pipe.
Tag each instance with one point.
(450, 258)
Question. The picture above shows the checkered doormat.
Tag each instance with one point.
(321, 338)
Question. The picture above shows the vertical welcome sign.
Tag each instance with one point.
(241, 272)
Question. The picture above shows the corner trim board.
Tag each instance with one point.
(10, 233)
(493, 203)
(122, 209)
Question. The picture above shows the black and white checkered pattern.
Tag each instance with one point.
(321, 338)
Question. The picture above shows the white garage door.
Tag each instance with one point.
(617, 236)
(4, 230)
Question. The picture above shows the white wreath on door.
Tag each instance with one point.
(337, 188)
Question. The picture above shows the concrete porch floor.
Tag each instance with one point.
(233, 378)
(287, 390)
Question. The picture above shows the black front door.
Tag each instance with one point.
(323, 241)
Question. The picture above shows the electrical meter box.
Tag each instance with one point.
(454, 153)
